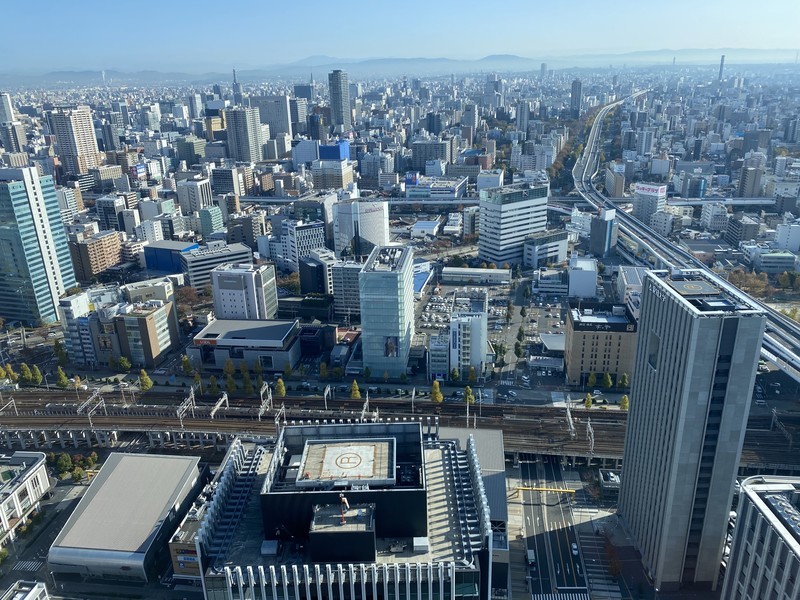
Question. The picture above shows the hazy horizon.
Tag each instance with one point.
(205, 36)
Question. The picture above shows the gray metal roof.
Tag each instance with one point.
(128, 501)
(242, 329)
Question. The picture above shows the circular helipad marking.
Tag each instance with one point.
(348, 460)
(692, 287)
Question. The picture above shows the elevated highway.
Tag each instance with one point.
(781, 344)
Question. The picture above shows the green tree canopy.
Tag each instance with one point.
(124, 363)
(624, 402)
(229, 368)
(588, 400)
(280, 388)
(473, 375)
(61, 378)
(323, 370)
(355, 393)
(607, 382)
(186, 365)
(230, 384)
(25, 375)
(455, 375)
(592, 380)
(469, 396)
(213, 386)
(36, 375)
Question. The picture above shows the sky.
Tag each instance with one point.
(209, 35)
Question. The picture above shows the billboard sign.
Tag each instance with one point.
(650, 189)
(390, 346)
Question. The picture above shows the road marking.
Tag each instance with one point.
(28, 565)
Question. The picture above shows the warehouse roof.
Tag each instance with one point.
(127, 502)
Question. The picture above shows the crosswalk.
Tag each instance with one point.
(507, 382)
(560, 596)
(28, 565)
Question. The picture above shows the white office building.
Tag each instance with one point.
(246, 292)
(386, 286)
(582, 277)
(274, 111)
(194, 194)
(23, 482)
(508, 216)
(149, 231)
(787, 237)
(468, 343)
(714, 216)
(764, 557)
(696, 358)
(296, 241)
(346, 294)
(360, 226)
(648, 199)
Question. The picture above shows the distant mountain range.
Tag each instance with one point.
(413, 67)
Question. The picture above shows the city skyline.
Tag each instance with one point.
(630, 31)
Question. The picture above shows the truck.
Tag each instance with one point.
(531, 558)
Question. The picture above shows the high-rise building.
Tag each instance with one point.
(508, 216)
(360, 226)
(244, 291)
(35, 265)
(6, 108)
(316, 275)
(339, 89)
(694, 371)
(543, 70)
(210, 221)
(109, 212)
(604, 232)
(765, 555)
(304, 91)
(198, 264)
(244, 134)
(721, 67)
(576, 98)
(275, 112)
(648, 198)
(93, 254)
(332, 174)
(469, 339)
(750, 182)
(386, 288)
(75, 139)
(346, 295)
(194, 194)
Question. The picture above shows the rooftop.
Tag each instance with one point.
(231, 330)
(147, 486)
(702, 293)
(14, 467)
(778, 499)
(388, 259)
(516, 192)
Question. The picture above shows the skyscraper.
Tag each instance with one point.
(275, 112)
(695, 366)
(386, 288)
(35, 265)
(360, 226)
(543, 71)
(339, 88)
(244, 134)
(508, 215)
(721, 66)
(6, 109)
(576, 98)
(75, 139)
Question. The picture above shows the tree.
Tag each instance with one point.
(2, 372)
(607, 383)
(25, 375)
(247, 383)
(386, 377)
(367, 373)
(280, 388)
(61, 378)
(591, 381)
(36, 375)
(186, 365)
(213, 386)
(198, 381)
(78, 475)
(518, 350)
(145, 383)
(77, 382)
(10, 374)
(257, 368)
(521, 334)
(624, 402)
(436, 393)
(287, 370)
(588, 400)
(323, 370)
(473, 375)
(124, 363)
(523, 312)
(187, 295)
(230, 384)
(64, 462)
(455, 375)
(229, 368)
(355, 393)
(624, 381)
(60, 352)
(337, 373)
(469, 396)
(510, 308)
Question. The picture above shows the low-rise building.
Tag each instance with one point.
(466, 276)
(582, 277)
(272, 344)
(198, 264)
(545, 248)
(23, 482)
(600, 338)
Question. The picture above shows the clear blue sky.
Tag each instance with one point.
(206, 35)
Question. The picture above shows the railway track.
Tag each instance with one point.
(533, 429)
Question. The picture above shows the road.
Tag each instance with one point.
(549, 529)
(781, 342)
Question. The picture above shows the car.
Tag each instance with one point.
(512, 393)
(574, 549)
(525, 378)
(596, 393)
